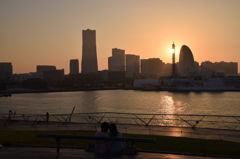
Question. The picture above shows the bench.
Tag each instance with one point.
(58, 138)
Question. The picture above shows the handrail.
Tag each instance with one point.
(229, 122)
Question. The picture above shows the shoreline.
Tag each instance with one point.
(61, 90)
(103, 89)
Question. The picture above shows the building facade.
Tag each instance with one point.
(54, 75)
(144, 68)
(6, 70)
(155, 67)
(42, 68)
(74, 66)
(186, 62)
(132, 66)
(89, 52)
(117, 61)
(152, 68)
(219, 68)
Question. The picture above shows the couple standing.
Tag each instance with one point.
(109, 146)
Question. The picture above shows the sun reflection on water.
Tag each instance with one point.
(166, 104)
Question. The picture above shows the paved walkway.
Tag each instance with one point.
(50, 153)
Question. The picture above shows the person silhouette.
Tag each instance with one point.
(116, 146)
(102, 146)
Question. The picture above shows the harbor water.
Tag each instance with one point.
(125, 101)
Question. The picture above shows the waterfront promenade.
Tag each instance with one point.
(39, 152)
(200, 133)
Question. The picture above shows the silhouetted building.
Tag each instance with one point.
(186, 62)
(167, 70)
(151, 68)
(5, 70)
(117, 61)
(20, 77)
(219, 68)
(103, 76)
(42, 68)
(110, 63)
(74, 66)
(144, 68)
(54, 75)
(89, 52)
(197, 68)
(116, 76)
(24, 76)
(155, 66)
(132, 66)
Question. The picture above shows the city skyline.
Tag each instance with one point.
(49, 33)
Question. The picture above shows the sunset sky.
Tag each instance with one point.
(49, 32)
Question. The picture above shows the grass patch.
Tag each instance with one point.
(190, 146)
(164, 143)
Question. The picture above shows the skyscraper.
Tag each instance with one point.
(74, 66)
(89, 52)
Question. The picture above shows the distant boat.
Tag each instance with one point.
(213, 84)
(149, 87)
(146, 84)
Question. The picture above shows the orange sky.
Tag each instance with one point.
(50, 32)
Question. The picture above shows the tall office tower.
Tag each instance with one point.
(74, 66)
(5, 70)
(173, 60)
(89, 52)
(117, 61)
(132, 66)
